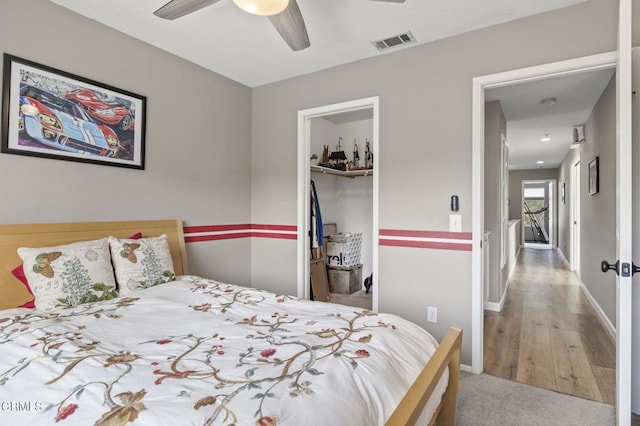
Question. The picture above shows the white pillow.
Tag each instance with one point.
(70, 274)
(141, 263)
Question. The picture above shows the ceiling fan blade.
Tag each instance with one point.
(291, 27)
(177, 8)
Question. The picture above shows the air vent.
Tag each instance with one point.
(395, 41)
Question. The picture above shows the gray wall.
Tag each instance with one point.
(232, 158)
(197, 143)
(495, 126)
(515, 186)
(635, 8)
(597, 212)
(425, 149)
(564, 210)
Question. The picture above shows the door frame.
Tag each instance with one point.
(574, 199)
(304, 176)
(539, 72)
(635, 379)
(552, 211)
(624, 216)
(504, 203)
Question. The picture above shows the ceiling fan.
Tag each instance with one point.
(284, 15)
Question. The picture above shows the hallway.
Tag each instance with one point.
(547, 334)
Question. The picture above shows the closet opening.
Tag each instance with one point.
(338, 203)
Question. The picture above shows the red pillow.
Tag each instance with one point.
(18, 272)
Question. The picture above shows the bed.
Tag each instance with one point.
(197, 351)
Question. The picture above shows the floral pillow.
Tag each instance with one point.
(18, 272)
(69, 275)
(141, 263)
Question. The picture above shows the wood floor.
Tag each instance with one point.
(547, 334)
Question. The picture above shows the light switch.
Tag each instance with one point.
(455, 223)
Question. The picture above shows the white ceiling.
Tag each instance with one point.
(528, 120)
(247, 49)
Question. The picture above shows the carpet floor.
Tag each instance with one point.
(484, 400)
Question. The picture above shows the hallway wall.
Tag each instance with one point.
(495, 127)
(597, 211)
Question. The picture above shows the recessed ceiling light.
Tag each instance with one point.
(540, 162)
(546, 138)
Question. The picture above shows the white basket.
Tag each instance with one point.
(344, 249)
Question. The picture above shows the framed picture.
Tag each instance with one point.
(562, 192)
(54, 114)
(594, 180)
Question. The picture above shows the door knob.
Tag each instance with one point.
(635, 268)
(606, 266)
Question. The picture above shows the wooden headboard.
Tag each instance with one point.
(13, 293)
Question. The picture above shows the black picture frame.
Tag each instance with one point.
(594, 176)
(50, 113)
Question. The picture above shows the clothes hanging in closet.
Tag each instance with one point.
(316, 219)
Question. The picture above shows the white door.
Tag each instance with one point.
(575, 217)
(635, 380)
(624, 173)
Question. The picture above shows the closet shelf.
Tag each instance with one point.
(347, 173)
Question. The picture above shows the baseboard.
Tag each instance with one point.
(466, 368)
(497, 307)
(603, 317)
(538, 246)
(513, 267)
(608, 325)
(493, 306)
(564, 258)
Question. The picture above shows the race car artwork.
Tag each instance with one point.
(61, 124)
(111, 113)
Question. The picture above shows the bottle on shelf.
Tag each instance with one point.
(368, 157)
(356, 154)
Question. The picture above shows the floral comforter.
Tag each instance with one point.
(196, 351)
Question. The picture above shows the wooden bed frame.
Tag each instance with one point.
(13, 293)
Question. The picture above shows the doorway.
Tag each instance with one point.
(480, 84)
(351, 111)
(527, 340)
(564, 68)
(538, 214)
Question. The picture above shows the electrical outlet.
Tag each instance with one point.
(432, 314)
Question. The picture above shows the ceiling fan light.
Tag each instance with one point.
(262, 7)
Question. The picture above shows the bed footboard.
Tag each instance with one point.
(411, 406)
